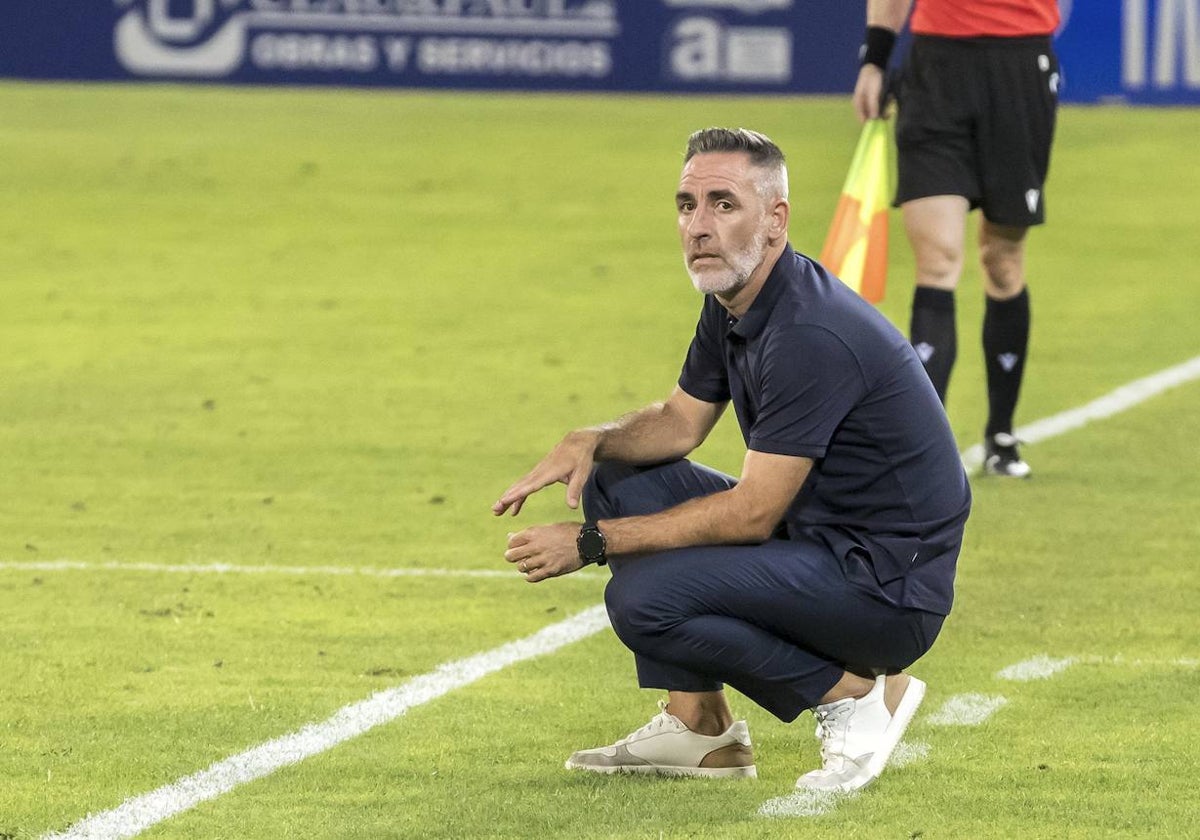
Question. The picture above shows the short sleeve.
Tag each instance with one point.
(810, 381)
(704, 375)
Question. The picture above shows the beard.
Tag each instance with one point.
(733, 275)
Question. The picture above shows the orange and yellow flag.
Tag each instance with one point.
(856, 247)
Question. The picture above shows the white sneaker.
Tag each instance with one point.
(858, 737)
(665, 746)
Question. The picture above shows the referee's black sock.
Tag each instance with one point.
(1005, 342)
(933, 335)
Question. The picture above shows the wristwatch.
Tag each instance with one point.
(591, 544)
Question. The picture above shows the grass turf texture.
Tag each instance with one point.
(327, 328)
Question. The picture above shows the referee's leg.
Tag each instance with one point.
(935, 226)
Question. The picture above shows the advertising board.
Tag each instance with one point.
(1139, 51)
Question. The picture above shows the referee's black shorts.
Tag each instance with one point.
(976, 119)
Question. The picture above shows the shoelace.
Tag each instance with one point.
(828, 722)
(657, 723)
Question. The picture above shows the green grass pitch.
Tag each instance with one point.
(327, 328)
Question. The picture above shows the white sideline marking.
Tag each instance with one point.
(1114, 402)
(1027, 670)
(136, 815)
(966, 710)
(1123, 661)
(1040, 667)
(814, 803)
(908, 752)
(802, 803)
(233, 568)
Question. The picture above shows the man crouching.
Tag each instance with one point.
(822, 572)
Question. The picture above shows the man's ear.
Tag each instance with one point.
(780, 213)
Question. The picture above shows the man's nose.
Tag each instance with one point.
(699, 224)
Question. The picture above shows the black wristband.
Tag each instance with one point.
(877, 48)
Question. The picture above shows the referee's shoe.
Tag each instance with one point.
(1000, 456)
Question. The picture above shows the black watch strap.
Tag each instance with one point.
(591, 544)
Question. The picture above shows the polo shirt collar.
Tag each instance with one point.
(755, 319)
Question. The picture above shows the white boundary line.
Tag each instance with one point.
(1043, 667)
(1114, 402)
(814, 803)
(234, 568)
(967, 710)
(1040, 667)
(140, 813)
(802, 803)
(1125, 397)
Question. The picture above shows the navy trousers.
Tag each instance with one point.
(777, 621)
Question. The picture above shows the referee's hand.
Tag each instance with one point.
(868, 93)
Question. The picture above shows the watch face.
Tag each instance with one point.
(591, 544)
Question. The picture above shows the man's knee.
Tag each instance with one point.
(599, 493)
(633, 609)
(1002, 253)
(939, 264)
(935, 229)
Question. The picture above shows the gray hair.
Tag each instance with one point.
(762, 151)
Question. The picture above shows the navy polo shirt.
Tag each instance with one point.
(813, 370)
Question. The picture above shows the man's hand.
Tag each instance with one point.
(868, 93)
(569, 463)
(545, 551)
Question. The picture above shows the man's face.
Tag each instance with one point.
(723, 221)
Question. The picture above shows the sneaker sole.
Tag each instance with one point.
(991, 467)
(750, 772)
(1004, 474)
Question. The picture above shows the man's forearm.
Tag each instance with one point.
(724, 518)
(656, 433)
(747, 513)
(650, 435)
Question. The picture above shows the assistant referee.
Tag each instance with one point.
(977, 99)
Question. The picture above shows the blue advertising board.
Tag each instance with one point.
(1143, 51)
(637, 45)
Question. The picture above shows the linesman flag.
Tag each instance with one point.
(856, 247)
